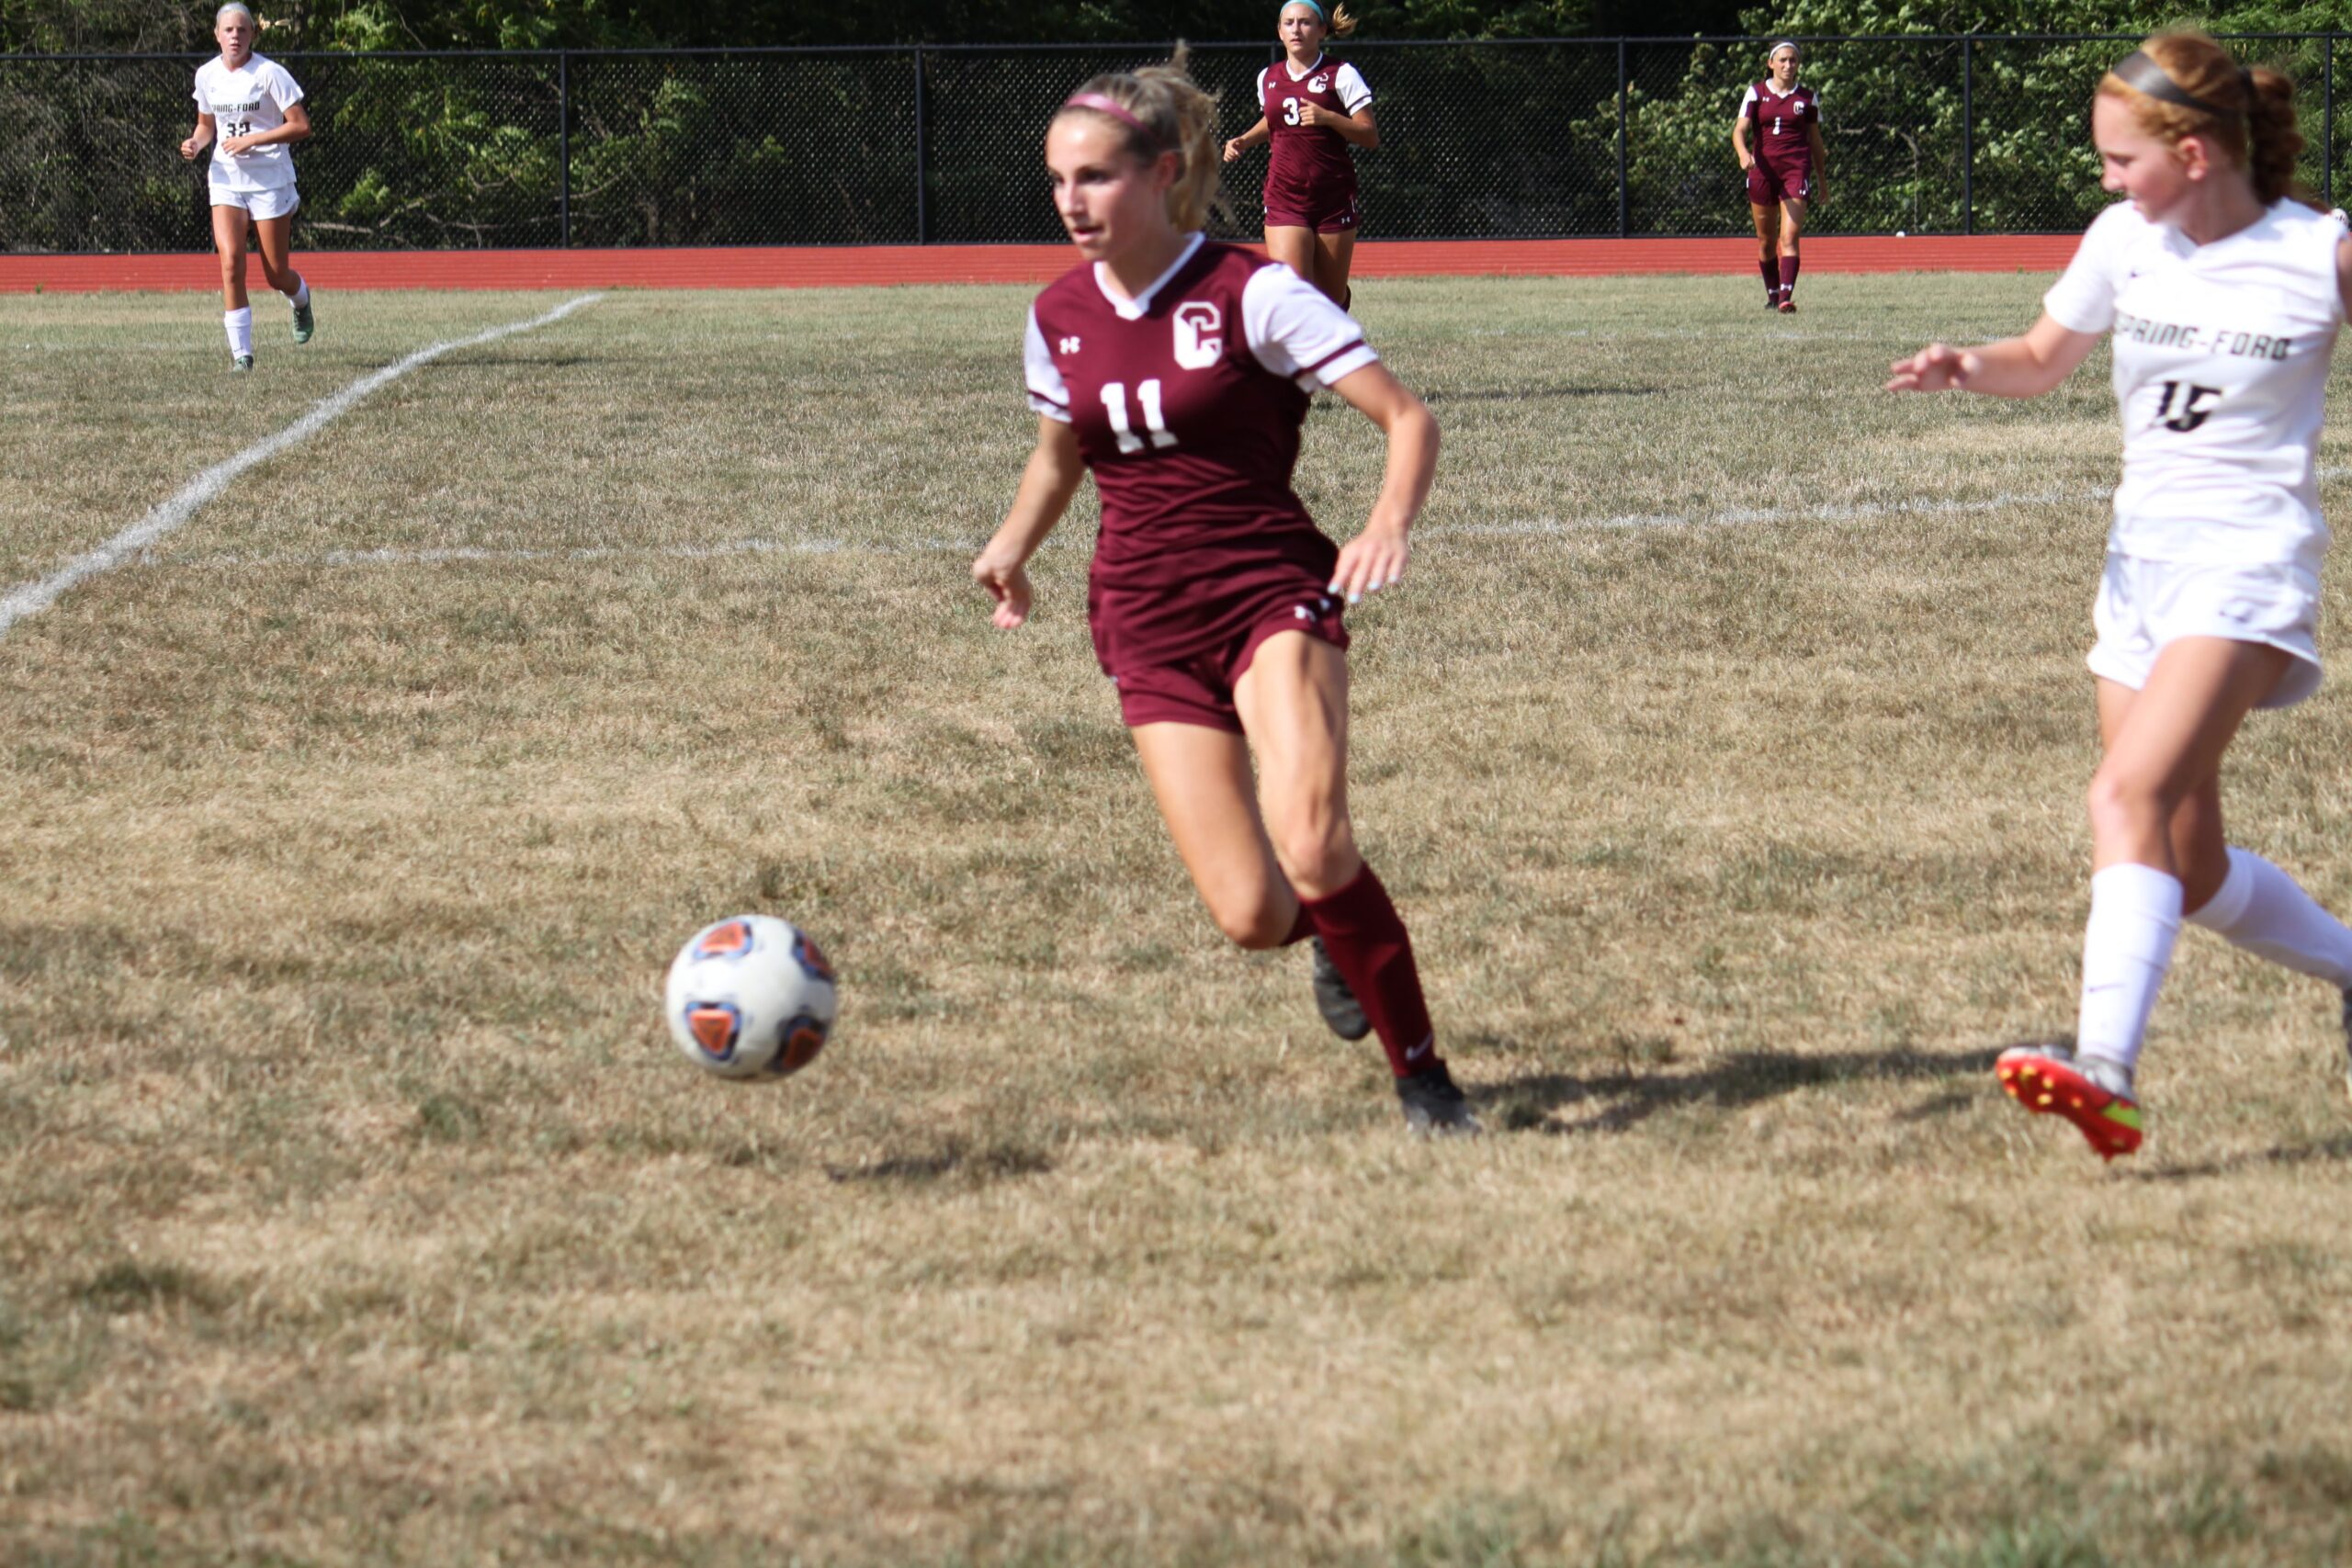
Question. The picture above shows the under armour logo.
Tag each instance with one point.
(1069, 345)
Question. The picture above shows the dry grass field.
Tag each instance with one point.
(1726, 757)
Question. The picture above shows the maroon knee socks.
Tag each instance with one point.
(1366, 939)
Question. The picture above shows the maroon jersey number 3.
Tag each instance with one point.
(1310, 174)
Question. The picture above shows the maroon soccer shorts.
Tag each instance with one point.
(1768, 183)
(1324, 214)
(1199, 691)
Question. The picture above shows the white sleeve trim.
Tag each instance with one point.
(1048, 394)
(1334, 371)
(2083, 299)
(1747, 101)
(1296, 332)
(1354, 91)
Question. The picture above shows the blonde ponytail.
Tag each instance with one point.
(1338, 22)
(1172, 114)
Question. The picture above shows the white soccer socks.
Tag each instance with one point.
(240, 332)
(2127, 947)
(2135, 918)
(301, 294)
(2261, 908)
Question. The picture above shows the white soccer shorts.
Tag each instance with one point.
(2143, 604)
(278, 203)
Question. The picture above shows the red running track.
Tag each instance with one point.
(841, 267)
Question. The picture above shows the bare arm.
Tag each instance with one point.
(2023, 366)
(1256, 136)
(2344, 274)
(296, 129)
(1046, 485)
(1739, 142)
(1356, 128)
(200, 139)
(1820, 159)
(1376, 557)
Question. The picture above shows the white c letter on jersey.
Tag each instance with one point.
(1199, 341)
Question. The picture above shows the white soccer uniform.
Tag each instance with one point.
(247, 101)
(2221, 372)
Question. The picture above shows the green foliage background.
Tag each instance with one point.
(1495, 138)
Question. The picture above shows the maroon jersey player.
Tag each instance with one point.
(1783, 168)
(1177, 371)
(1314, 109)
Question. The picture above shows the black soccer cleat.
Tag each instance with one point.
(1435, 1105)
(1334, 999)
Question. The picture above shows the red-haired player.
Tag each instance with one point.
(1313, 110)
(2221, 296)
(1177, 371)
(1783, 169)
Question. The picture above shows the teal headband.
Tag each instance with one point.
(1311, 6)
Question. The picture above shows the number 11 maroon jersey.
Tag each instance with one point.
(1187, 403)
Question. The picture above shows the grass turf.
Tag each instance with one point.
(1724, 748)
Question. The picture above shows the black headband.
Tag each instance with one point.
(2138, 72)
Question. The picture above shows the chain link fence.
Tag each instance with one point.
(1521, 138)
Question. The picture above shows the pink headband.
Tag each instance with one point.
(1111, 107)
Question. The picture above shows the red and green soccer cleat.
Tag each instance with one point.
(2044, 1079)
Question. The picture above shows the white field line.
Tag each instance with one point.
(32, 598)
(1820, 511)
(461, 554)
(760, 546)
(1690, 334)
(1519, 527)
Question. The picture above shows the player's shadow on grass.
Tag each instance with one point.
(1625, 1098)
(2327, 1150)
(953, 1162)
(528, 361)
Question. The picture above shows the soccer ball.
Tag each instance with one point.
(750, 998)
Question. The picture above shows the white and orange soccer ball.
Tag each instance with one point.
(751, 996)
